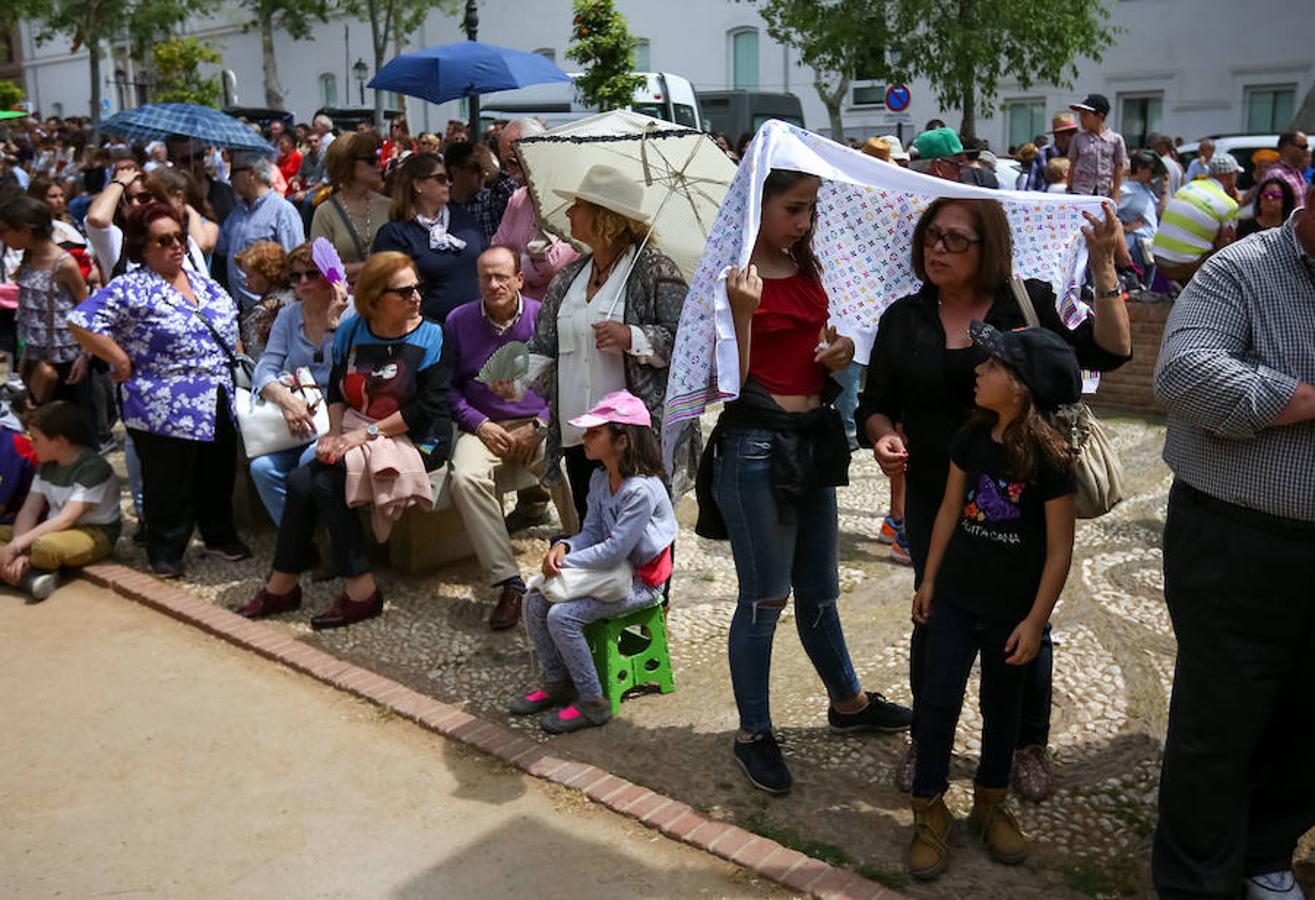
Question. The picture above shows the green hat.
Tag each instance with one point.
(938, 143)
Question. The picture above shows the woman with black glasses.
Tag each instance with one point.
(444, 242)
(302, 337)
(351, 216)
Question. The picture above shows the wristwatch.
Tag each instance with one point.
(371, 432)
(1110, 294)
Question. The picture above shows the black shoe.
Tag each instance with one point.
(233, 551)
(763, 764)
(879, 715)
(166, 569)
(519, 520)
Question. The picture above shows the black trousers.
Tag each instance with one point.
(1237, 785)
(317, 491)
(1034, 727)
(579, 469)
(185, 485)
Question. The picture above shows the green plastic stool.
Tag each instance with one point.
(630, 651)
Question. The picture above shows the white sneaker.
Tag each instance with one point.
(42, 586)
(1274, 886)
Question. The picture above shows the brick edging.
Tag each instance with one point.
(672, 818)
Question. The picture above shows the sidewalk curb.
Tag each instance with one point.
(672, 818)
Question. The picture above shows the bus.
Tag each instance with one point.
(735, 113)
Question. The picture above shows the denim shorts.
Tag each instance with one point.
(772, 556)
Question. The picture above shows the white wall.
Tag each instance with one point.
(1199, 53)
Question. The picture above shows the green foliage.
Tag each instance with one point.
(11, 95)
(604, 48)
(178, 64)
(297, 17)
(843, 37)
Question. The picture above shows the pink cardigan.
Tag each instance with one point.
(516, 230)
(386, 474)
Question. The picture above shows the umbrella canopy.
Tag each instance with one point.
(156, 121)
(463, 69)
(683, 174)
(12, 114)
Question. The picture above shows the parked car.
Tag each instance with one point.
(734, 113)
(1242, 146)
(664, 95)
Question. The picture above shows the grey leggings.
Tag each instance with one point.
(557, 630)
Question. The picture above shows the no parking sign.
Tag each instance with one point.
(898, 98)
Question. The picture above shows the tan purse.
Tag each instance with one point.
(1097, 469)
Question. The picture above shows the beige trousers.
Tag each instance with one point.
(73, 547)
(476, 496)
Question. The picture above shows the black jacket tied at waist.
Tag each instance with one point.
(809, 451)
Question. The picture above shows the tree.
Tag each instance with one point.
(840, 40)
(297, 18)
(92, 22)
(390, 21)
(603, 46)
(11, 95)
(178, 71)
(966, 51)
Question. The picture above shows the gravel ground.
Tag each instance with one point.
(1113, 671)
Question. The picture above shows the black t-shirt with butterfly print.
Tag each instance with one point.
(993, 563)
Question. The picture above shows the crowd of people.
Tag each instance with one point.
(158, 285)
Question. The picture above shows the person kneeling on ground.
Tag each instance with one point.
(629, 522)
(76, 490)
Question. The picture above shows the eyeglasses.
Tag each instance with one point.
(165, 241)
(295, 276)
(411, 290)
(952, 241)
(1271, 195)
(440, 177)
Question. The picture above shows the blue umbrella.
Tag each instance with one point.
(156, 121)
(464, 69)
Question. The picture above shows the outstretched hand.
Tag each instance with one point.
(1104, 238)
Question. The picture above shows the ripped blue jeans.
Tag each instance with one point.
(772, 560)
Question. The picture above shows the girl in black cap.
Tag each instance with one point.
(1000, 552)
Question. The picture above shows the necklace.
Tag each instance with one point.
(366, 235)
(598, 276)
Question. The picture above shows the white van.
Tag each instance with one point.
(664, 96)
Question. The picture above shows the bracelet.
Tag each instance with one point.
(1110, 294)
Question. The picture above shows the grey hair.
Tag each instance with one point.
(529, 126)
(260, 164)
(323, 121)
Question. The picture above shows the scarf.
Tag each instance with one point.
(439, 239)
(866, 213)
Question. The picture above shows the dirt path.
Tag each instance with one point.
(145, 760)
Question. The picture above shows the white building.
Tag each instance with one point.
(1186, 67)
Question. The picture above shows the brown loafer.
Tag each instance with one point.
(508, 611)
(267, 603)
(346, 611)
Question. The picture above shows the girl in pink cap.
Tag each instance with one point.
(615, 565)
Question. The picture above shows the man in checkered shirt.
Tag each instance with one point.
(1236, 375)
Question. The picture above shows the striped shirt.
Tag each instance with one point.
(1192, 220)
(1240, 338)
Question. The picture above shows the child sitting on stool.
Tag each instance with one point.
(617, 563)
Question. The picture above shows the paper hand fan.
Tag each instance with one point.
(327, 260)
(510, 362)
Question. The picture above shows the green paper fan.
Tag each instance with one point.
(510, 362)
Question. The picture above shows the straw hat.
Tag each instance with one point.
(878, 148)
(607, 187)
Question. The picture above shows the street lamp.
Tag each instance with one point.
(362, 71)
(471, 24)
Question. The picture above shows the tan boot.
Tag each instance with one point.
(930, 851)
(992, 821)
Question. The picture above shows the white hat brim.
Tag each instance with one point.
(606, 202)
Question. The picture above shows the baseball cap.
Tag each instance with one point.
(1094, 103)
(621, 407)
(1223, 164)
(937, 144)
(1064, 121)
(1039, 358)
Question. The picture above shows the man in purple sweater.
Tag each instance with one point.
(493, 432)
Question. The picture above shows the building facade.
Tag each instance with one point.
(1184, 67)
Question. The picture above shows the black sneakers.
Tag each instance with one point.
(879, 715)
(763, 764)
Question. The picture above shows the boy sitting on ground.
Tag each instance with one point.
(76, 492)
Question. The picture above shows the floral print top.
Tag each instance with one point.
(177, 365)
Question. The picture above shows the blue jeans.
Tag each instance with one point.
(270, 474)
(133, 463)
(847, 402)
(772, 558)
(954, 639)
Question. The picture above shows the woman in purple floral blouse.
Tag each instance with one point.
(160, 330)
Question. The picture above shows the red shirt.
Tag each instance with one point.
(785, 332)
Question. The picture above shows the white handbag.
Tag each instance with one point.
(264, 430)
(606, 585)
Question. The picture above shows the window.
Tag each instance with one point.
(1026, 119)
(870, 95)
(744, 59)
(547, 53)
(1140, 115)
(643, 56)
(328, 89)
(1270, 108)
(685, 115)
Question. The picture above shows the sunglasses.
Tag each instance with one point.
(297, 275)
(411, 290)
(440, 177)
(952, 241)
(165, 241)
(1271, 195)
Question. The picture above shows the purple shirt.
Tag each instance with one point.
(473, 341)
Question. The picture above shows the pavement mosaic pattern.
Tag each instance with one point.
(1113, 669)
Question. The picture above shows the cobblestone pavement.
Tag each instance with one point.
(1113, 670)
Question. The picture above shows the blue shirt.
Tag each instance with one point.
(636, 523)
(288, 350)
(178, 368)
(448, 275)
(269, 218)
(1138, 201)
